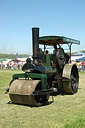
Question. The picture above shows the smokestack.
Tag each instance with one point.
(35, 40)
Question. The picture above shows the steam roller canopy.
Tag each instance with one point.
(70, 78)
(21, 92)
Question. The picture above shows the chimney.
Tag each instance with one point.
(35, 42)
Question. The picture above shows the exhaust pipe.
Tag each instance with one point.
(35, 42)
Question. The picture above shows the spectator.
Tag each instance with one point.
(0, 65)
(19, 63)
(83, 65)
(3, 66)
(76, 63)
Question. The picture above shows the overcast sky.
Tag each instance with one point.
(53, 17)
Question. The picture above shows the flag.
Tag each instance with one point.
(17, 55)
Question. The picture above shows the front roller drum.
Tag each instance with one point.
(70, 78)
(21, 92)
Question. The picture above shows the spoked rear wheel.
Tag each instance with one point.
(70, 78)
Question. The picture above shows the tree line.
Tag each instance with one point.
(12, 56)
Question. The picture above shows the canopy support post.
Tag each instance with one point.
(70, 51)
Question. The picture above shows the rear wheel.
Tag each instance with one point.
(70, 78)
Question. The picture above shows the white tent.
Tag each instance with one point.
(77, 56)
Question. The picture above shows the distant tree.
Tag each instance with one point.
(83, 51)
(12, 56)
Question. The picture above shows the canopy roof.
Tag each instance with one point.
(51, 40)
(2, 59)
(16, 60)
(79, 54)
(81, 59)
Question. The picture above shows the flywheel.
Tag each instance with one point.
(70, 78)
(21, 92)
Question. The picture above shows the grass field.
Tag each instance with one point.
(67, 111)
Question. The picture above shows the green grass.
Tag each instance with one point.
(67, 111)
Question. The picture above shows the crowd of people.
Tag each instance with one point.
(80, 65)
(18, 65)
(11, 65)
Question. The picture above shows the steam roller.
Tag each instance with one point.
(46, 73)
